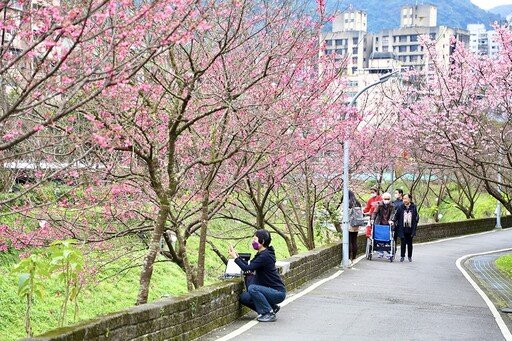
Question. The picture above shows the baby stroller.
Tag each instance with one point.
(381, 239)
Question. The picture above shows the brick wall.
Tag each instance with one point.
(189, 316)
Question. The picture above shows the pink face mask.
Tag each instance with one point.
(255, 245)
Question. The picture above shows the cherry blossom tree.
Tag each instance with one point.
(458, 115)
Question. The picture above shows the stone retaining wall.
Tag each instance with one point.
(192, 315)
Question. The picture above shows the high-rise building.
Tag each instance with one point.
(348, 40)
(417, 21)
(352, 44)
(481, 40)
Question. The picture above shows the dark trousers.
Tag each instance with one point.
(352, 245)
(262, 299)
(406, 242)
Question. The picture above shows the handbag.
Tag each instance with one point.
(356, 217)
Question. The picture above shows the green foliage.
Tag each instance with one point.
(66, 262)
(504, 263)
(31, 274)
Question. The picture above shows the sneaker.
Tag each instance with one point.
(401, 259)
(381, 255)
(410, 259)
(276, 308)
(268, 317)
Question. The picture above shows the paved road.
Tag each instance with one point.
(428, 299)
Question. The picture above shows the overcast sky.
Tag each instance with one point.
(488, 4)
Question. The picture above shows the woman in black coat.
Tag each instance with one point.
(406, 222)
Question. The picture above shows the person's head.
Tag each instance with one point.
(399, 193)
(261, 239)
(374, 191)
(407, 199)
(352, 199)
(386, 198)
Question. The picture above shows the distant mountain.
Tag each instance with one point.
(502, 10)
(453, 13)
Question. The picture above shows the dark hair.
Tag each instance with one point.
(400, 191)
(375, 189)
(263, 237)
(352, 201)
(409, 195)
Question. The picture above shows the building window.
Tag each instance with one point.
(413, 37)
(402, 39)
(402, 49)
(355, 41)
(355, 50)
(414, 48)
(339, 41)
(328, 43)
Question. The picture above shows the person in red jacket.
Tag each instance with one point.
(371, 204)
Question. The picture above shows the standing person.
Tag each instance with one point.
(372, 202)
(399, 194)
(267, 289)
(353, 229)
(384, 215)
(406, 222)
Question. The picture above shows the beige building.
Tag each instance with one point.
(349, 40)
(352, 44)
(404, 42)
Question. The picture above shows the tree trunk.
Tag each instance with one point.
(290, 242)
(202, 239)
(149, 259)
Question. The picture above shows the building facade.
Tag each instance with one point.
(348, 40)
(482, 41)
(352, 43)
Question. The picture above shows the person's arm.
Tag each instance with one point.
(392, 215)
(375, 213)
(257, 262)
(368, 206)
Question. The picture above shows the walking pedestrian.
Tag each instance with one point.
(406, 221)
(267, 288)
(372, 202)
(356, 220)
(399, 194)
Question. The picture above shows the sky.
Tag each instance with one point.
(488, 4)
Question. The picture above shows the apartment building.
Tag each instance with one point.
(481, 40)
(417, 21)
(349, 40)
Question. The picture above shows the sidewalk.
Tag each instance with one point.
(496, 285)
(428, 299)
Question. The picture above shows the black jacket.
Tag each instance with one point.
(399, 219)
(264, 267)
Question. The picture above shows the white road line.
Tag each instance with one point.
(312, 287)
(497, 316)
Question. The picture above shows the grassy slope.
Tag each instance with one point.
(104, 297)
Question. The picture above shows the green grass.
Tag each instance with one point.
(504, 263)
(113, 294)
(104, 297)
